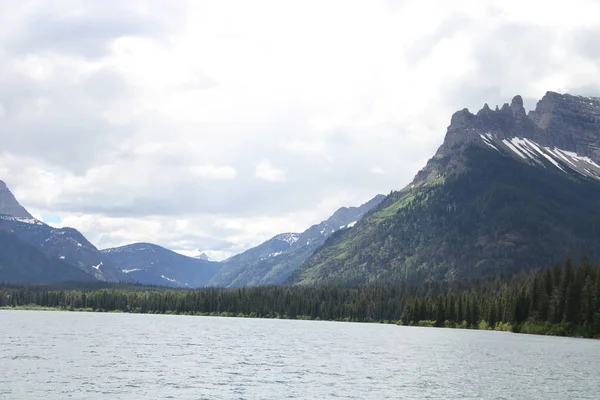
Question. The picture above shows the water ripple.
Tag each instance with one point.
(105, 356)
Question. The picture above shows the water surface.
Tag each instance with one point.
(57, 355)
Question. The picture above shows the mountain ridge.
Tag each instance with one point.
(151, 264)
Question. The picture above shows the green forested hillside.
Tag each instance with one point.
(500, 216)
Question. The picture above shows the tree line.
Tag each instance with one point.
(563, 300)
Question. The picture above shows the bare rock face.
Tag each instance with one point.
(9, 205)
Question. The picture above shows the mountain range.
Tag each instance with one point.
(507, 190)
(34, 252)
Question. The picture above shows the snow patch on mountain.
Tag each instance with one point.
(128, 271)
(532, 152)
(170, 280)
(289, 238)
(30, 221)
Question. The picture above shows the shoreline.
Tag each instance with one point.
(421, 324)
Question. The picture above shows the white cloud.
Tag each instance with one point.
(264, 170)
(170, 121)
(214, 172)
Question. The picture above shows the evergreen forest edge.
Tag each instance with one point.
(563, 300)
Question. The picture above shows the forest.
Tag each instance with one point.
(563, 300)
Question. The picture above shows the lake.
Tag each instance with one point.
(57, 355)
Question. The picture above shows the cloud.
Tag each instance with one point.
(194, 126)
(214, 172)
(264, 170)
(75, 27)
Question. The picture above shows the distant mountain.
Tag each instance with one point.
(506, 190)
(154, 265)
(202, 256)
(275, 260)
(65, 244)
(21, 262)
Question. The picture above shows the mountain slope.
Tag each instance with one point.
(21, 262)
(150, 264)
(506, 190)
(65, 244)
(275, 260)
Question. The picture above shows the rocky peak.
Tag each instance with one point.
(568, 122)
(517, 108)
(9, 204)
(516, 105)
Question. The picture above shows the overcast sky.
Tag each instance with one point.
(217, 124)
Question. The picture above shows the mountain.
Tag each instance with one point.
(150, 264)
(275, 260)
(65, 244)
(506, 190)
(21, 262)
(9, 204)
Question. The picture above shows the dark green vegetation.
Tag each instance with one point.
(499, 217)
(564, 300)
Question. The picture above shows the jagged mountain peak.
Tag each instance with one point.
(562, 121)
(9, 204)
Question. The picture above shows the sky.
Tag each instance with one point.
(215, 125)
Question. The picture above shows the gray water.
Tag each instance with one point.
(58, 355)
